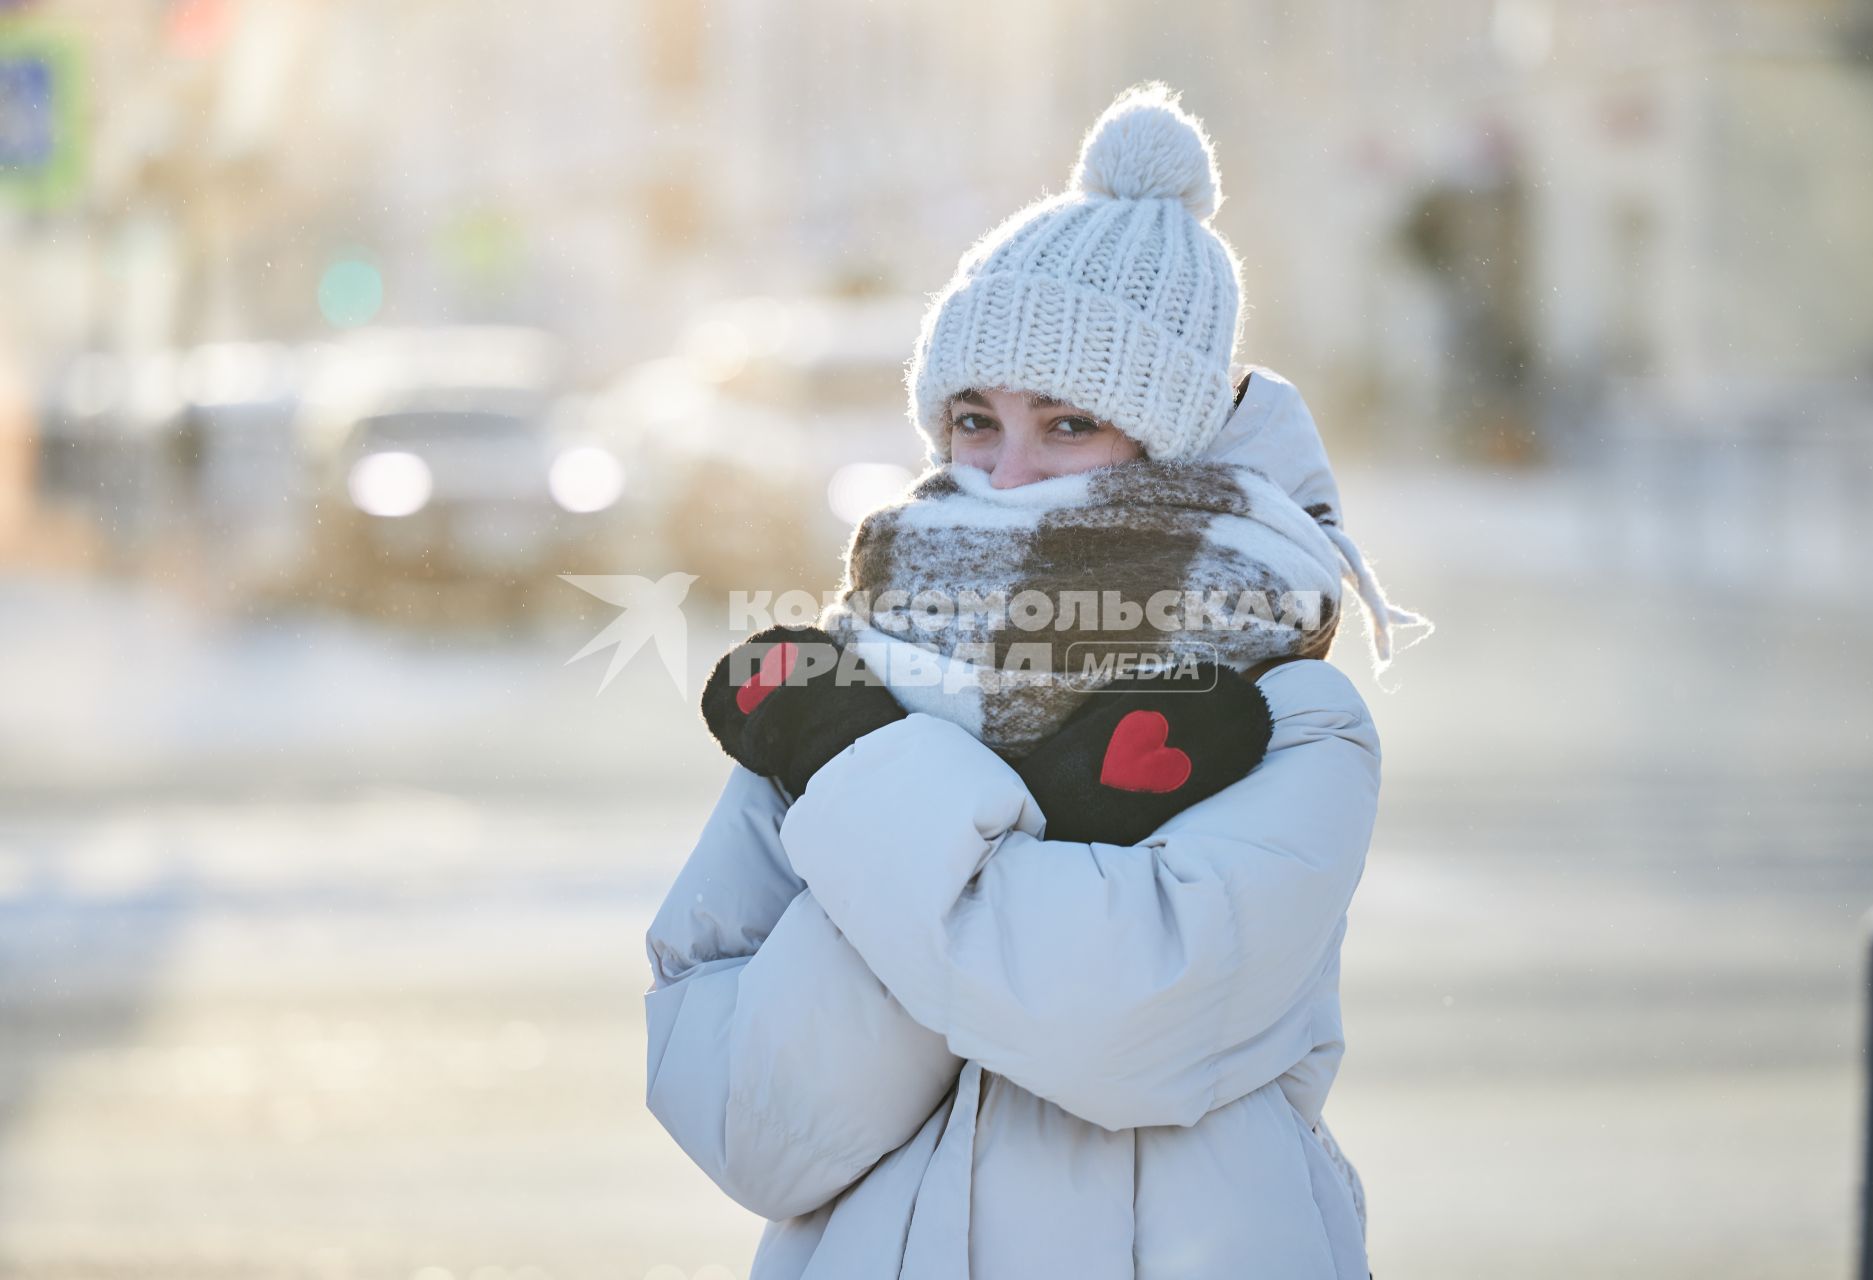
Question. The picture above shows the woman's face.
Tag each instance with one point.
(1019, 437)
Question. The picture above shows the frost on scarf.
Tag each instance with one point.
(998, 608)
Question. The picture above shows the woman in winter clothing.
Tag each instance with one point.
(891, 1010)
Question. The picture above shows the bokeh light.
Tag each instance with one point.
(391, 483)
(585, 479)
(859, 488)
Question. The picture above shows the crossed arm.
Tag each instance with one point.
(821, 971)
(776, 1059)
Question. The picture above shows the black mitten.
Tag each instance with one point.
(1140, 750)
(746, 675)
(787, 700)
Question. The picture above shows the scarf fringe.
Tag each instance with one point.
(1381, 614)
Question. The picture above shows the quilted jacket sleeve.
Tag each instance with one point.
(1131, 986)
(775, 1058)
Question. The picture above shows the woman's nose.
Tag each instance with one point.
(1014, 467)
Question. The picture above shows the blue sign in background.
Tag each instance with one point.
(28, 136)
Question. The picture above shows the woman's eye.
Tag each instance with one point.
(970, 423)
(1078, 426)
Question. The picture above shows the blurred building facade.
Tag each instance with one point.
(1469, 227)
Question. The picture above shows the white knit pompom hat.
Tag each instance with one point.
(1114, 295)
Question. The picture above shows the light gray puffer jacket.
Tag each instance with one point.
(927, 1042)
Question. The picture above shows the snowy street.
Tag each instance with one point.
(321, 944)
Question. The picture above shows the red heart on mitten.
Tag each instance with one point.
(775, 664)
(1138, 759)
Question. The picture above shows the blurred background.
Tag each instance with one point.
(333, 333)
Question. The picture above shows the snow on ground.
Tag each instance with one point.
(321, 942)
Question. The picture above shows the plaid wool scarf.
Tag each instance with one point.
(1001, 610)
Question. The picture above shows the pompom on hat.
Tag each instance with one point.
(1115, 295)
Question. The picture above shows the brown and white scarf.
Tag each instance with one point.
(1002, 609)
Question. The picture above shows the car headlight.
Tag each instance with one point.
(585, 479)
(392, 483)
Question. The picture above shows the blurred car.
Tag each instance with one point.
(232, 461)
(458, 474)
(774, 426)
(182, 458)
